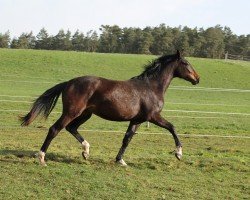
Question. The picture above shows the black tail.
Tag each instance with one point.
(43, 104)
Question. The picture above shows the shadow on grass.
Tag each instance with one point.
(9, 155)
(17, 153)
(25, 156)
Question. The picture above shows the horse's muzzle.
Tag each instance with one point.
(196, 81)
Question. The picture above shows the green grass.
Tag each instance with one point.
(212, 167)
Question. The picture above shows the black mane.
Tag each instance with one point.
(155, 67)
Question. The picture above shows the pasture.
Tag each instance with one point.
(211, 118)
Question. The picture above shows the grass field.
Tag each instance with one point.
(212, 167)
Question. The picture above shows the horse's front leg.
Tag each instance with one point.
(160, 121)
(127, 138)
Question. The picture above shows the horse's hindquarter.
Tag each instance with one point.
(116, 100)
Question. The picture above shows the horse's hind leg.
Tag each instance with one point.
(53, 131)
(127, 138)
(72, 128)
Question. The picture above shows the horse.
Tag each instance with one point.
(136, 100)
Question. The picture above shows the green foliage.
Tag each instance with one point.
(5, 40)
(24, 41)
(43, 41)
(213, 47)
(213, 42)
(110, 39)
(62, 41)
(78, 41)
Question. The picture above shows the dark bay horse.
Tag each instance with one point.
(137, 100)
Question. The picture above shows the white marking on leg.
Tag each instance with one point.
(179, 150)
(178, 153)
(85, 146)
(41, 156)
(122, 162)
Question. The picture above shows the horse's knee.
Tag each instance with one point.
(53, 132)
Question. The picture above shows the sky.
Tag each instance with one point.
(19, 16)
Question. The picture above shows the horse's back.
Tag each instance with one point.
(109, 99)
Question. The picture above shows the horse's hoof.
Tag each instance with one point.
(178, 153)
(85, 152)
(85, 155)
(178, 156)
(43, 164)
(41, 156)
(121, 162)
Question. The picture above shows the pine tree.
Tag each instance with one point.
(44, 41)
(5, 40)
(24, 41)
(78, 42)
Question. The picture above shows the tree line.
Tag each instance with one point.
(212, 42)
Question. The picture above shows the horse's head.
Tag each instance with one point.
(185, 70)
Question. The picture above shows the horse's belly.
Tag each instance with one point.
(118, 102)
(121, 112)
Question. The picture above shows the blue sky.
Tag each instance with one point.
(19, 16)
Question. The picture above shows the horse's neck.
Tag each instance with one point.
(165, 79)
